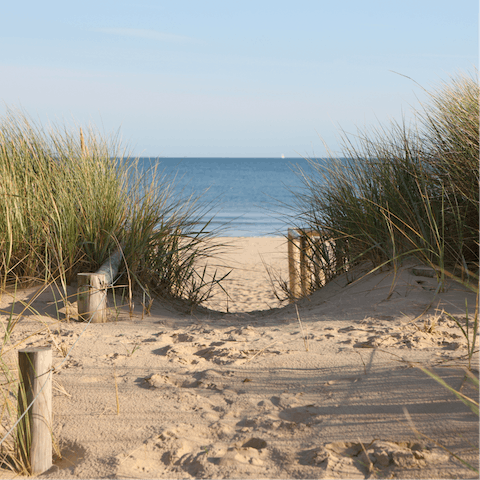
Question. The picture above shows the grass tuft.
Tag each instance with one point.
(406, 191)
(402, 191)
(68, 201)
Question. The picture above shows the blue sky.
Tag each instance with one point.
(230, 78)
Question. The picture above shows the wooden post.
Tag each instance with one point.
(293, 283)
(92, 290)
(34, 434)
(92, 297)
(317, 260)
(307, 242)
(304, 277)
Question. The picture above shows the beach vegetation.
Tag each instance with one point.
(70, 198)
(403, 190)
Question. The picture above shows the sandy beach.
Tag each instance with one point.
(242, 389)
(248, 283)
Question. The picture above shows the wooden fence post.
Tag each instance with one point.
(309, 270)
(92, 290)
(34, 433)
(92, 297)
(110, 267)
(292, 273)
(305, 281)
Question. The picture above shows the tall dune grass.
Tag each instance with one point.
(405, 189)
(69, 199)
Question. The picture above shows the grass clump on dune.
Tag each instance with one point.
(405, 190)
(68, 201)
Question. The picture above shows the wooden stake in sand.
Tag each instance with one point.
(92, 297)
(305, 280)
(301, 278)
(34, 434)
(91, 290)
(292, 273)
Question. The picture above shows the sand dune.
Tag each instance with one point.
(256, 394)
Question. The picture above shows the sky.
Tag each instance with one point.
(231, 78)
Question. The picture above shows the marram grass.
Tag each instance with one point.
(404, 190)
(69, 199)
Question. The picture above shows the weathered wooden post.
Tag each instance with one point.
(34, 433)
(305, 281)
(309, 271)
(315, 258)
(292, 272)
(92, 290)
(92, 297)
(317, 261)
(110, 267)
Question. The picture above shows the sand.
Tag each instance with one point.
(248, 283)
(257, 394)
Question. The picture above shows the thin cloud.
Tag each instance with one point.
(148, 34)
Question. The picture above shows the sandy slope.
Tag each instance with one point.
(257, 395)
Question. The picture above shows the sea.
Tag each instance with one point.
(245, 197)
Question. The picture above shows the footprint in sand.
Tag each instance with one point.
(220, 353)
(242, 458)
(169, 454)
(71, 455)
(208, 379)
(356, 460)
(308, 415)
(177, 452)
(181, 353)
(182, 338)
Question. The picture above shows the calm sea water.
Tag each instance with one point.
(250, 194)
